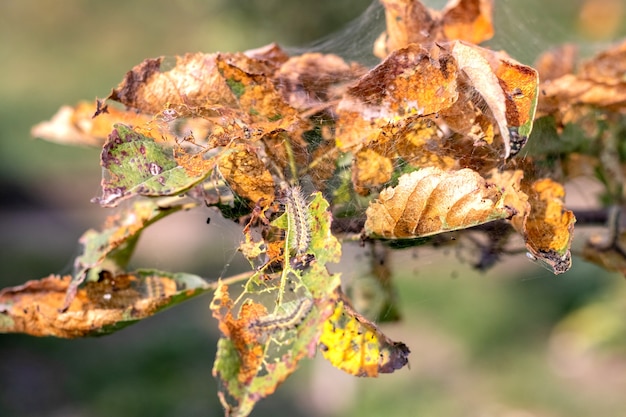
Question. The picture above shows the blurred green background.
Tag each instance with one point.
(514, 342)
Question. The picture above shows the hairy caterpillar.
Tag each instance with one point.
(273, 323)
(298, 220)
(154, 287)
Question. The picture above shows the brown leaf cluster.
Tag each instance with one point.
(410, 22)
(598, 82)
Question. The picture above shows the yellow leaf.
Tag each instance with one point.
(355, 345)
(246, 174)
(548, 228)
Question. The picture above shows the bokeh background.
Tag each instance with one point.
(515, 342)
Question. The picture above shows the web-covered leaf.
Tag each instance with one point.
(277, 319)
(87, 123)
(111, 248)
(100, 307)
(410, 22)
(136, 164)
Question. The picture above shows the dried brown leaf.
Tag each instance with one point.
(99, 307)
(78, 126)
(548, 228)
(599, 82)
(508, 88)
(193, 80)
(409, 21)
(370, 170)
(408, 83)
(246, 174)
(431, 201)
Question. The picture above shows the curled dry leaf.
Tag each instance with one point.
(548, 229)
(99, 307)
(432, 201)
(409, 21)
(508, 88)
(79, 126)
(422, 106)
(599, 82)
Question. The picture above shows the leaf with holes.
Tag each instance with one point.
(100, 307)
(135, 164)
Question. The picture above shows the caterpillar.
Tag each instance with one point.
(273, 323)
(154, 287)
(299, 229)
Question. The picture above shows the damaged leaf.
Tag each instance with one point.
(355, 345)
(432, 201)
(409, 21)
(111, 248)
(100, 307)
(136, 164)
(277, 319)
(548, 228)
(246, 174)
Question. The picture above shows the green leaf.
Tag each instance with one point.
(135, 164)
(278, 318)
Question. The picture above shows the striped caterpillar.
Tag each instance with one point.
(299, 229)
(273, 323)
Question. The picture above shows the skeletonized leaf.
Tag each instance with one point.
(110, 249)
(135, 164)
(278, 318)
(431, 201)
(101, 307)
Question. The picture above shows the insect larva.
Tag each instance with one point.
(298, 220)
(154, 288)
(273, 323)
